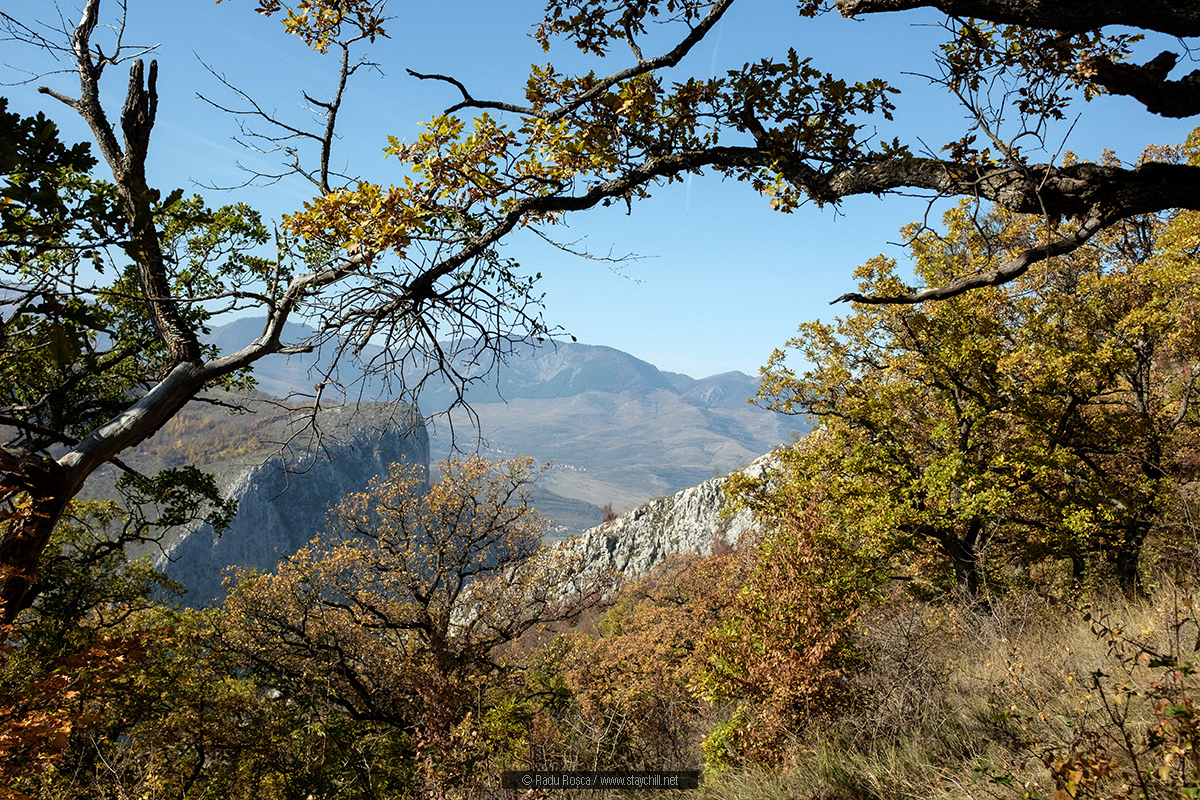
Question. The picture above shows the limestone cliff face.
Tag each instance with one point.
(689, 521)
(283, 502)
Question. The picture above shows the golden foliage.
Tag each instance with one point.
(1047, 420)
(785, 645)
(396, 614)
(320, 22)
(630, 677)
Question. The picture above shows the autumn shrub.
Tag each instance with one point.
(107, 691)
(62, 658)
(784, 648)
(630, 675)
(397, 616)
(1026, 698)
(371, 665)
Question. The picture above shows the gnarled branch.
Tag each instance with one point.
(1073, 16)
(1008, 271)
(1148, 84)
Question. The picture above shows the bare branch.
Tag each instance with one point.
(471, 102)
(62, 98)
(326, 110)
(255, 111)
(20, 32)
(643, 67)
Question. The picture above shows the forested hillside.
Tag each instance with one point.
(982, 559)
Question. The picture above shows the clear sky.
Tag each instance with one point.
(721, 279)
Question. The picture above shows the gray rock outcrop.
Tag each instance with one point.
(283, 502)
(689, 522)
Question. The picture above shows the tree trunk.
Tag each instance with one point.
(39, 488)
(963, 553)
(1126, 557)
(38, 493)
(1078, 568)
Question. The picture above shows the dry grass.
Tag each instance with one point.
(1009, 702)
(1027, 698)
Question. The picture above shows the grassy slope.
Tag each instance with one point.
(1011, 702)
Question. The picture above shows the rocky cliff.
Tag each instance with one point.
(283, 501)
(690, 521)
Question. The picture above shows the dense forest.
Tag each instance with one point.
(975, 577)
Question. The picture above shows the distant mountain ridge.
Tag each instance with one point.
(631, 431)
(567, 369)
(617, 429)
(554, 369)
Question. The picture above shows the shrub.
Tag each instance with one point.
(629, 676)
(785, 645)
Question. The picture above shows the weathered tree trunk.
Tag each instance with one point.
(39, 488)
(964, 554)
(38, 493)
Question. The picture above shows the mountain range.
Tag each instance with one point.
(616, 429)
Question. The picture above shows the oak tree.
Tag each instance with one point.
(398, 614)
(1050, 418)
(793, 132)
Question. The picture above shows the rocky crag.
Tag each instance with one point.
(283, 501)
(692, 521)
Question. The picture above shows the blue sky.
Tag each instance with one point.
(721, 279)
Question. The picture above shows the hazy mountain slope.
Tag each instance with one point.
(624, 448)
(560, 370)
(228, 443)
(283, 472)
